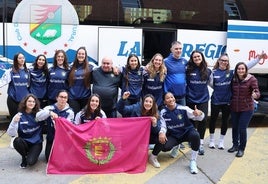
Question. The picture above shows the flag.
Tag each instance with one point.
(105, 145)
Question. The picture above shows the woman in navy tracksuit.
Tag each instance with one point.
(59, 109)
(29, 141)
(147, 107)
(39, 79)
(221, 95)
(18, 80)
(177, 128)
(197, 78)
(58, 76)
(154, 77)
(79, 81)
(91, 111)
(132, 79)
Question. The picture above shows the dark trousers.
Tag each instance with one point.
(12, 106)
(200, 125)
(27, 150)
(180, 100)
(111, 113)
(191, 136)
(78, 104)
(240, 122)
(43, 102)
(154, 138)
(48, 149)
(215, 110)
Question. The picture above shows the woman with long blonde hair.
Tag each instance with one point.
(154, 77)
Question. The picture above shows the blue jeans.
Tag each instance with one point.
(240, 122)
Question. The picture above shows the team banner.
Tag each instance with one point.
(105, 145)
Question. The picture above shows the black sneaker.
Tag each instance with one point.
(23, 164)
(232, 149)
(240, 153)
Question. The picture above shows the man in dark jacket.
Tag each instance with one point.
(106, 84)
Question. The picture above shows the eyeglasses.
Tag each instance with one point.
(63, 97)
(223, 60)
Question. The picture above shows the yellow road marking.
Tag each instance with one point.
(253, 166)
(164, 159)
(4, 139)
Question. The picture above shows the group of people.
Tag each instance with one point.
(172, 91)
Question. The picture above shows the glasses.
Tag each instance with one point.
(63, 97)
(223, 60)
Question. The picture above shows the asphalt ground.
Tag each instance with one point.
(216, 166)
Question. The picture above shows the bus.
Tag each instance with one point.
(117, 28)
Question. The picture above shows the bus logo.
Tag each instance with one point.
(45, 20)
(42, 27)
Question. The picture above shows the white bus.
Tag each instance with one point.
(142, 27)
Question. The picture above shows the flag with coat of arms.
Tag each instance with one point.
(105, 145)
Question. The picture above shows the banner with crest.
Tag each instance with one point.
(105, 145)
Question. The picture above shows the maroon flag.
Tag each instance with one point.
(105, 145)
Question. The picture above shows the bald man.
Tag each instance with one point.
(106, 84)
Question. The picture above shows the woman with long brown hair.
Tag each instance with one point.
(57, 76)
(79, 80)
(91, 111)
(29, 142)
(18, 80)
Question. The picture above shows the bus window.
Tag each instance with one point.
(183, 14)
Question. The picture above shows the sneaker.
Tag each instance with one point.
(193, 167)
(151, 146)
(211, 144)
(153, 160)
(201, 150)
(189, 144)
(182, 147)
(175, 151)
(221, 145)
(11, 142)
(23, 164)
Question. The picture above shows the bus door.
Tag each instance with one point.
(157, 41)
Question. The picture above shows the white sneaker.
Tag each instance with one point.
(221, 144)
(151, 146)
(175, 151)
(201, 150)
(153, 160)
(193, 167)
(211, 144)
(11, 142)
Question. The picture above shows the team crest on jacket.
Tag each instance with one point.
(100, 150)
(179, 116)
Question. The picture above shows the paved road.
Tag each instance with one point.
(216, 166)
